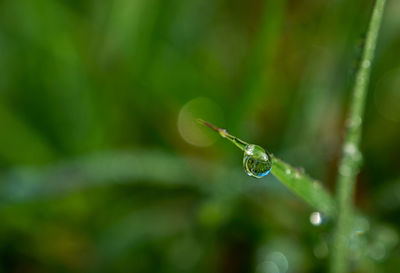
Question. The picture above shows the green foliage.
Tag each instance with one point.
(311, 191)
(97, 176)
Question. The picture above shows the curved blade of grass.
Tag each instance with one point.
(350, 162)
(305, 187)
(297, 181)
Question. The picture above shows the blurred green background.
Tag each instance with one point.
(103, 170)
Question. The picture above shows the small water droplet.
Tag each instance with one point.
(256, 161)
(367, 64)
(350, 148)
(316, 218)
(360, 226)
(224, 131)
(345, 170)
(355, 122)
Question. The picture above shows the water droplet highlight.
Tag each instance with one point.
(316, 218)
(256, 161)
(366, 64)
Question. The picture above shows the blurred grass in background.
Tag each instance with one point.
(98, 170)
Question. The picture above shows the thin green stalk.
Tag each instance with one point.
(351, 157)
(294, 179)
(224, 133)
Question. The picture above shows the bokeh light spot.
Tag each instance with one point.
(190, 130)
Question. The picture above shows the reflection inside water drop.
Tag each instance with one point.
(256, 161)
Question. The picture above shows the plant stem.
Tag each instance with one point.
(224, 133)
(351, 156)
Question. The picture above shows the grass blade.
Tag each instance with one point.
(350, 162)
(297, 181)
(304, 186)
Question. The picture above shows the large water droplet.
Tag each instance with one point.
(256, 161)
